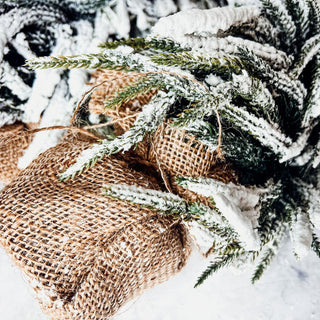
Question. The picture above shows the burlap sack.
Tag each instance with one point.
(12, 144)
(85, 254)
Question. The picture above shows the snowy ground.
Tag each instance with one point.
(289, 290)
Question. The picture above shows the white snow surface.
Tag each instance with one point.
(289, 290)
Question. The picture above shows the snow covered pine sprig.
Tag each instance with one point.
(256, 72)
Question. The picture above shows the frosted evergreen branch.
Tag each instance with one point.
(308, 52)
(232, 201)
(10, 78)
(266, 133)
(204, 131)
(199, 64)
(269, 34)
(223, 261)
(105, 60)
(250, 89)
(208, 22)
(148, 120)
(254, 93)
(139, 44)
(165, 202)
(220, 47)
(173, 205)
(264, 263)
(83, 7)
(299, 10)
(275, 215)
(23, 17)
(278, 14)
(314, 16)
(294, 89)
(312, 111)
(316, 156)
(259, 30)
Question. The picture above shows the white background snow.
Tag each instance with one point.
(289, 290)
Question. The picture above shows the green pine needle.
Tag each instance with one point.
(139, 44)
(264, 263)
(223, 261)
(131, 91)
(199, 64)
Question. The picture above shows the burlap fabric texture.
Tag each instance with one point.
(13, 142)
(85, 254)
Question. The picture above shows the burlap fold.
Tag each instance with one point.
(85, 254)
(13, 142)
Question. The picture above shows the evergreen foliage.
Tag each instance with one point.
(268, 109)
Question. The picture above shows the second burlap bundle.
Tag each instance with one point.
(85, 254)
(13, 141)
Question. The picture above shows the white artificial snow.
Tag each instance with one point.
(208, 22)
(58, 112)
(213, 80)
(163, 8)
(313, 196)
(289, 290)
(9, 76)
(42, 90)
(119, 19)
(237, 203)
(301, 235)
(22, 46)
(202, 236)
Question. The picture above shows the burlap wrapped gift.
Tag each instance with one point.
(13, 142)
(85, 254)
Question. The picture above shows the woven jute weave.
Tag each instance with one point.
(85, 254)
(180, 153)
(12, 145)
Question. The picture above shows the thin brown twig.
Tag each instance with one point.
(109, 123)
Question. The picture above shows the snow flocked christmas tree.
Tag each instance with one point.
(244, 81)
